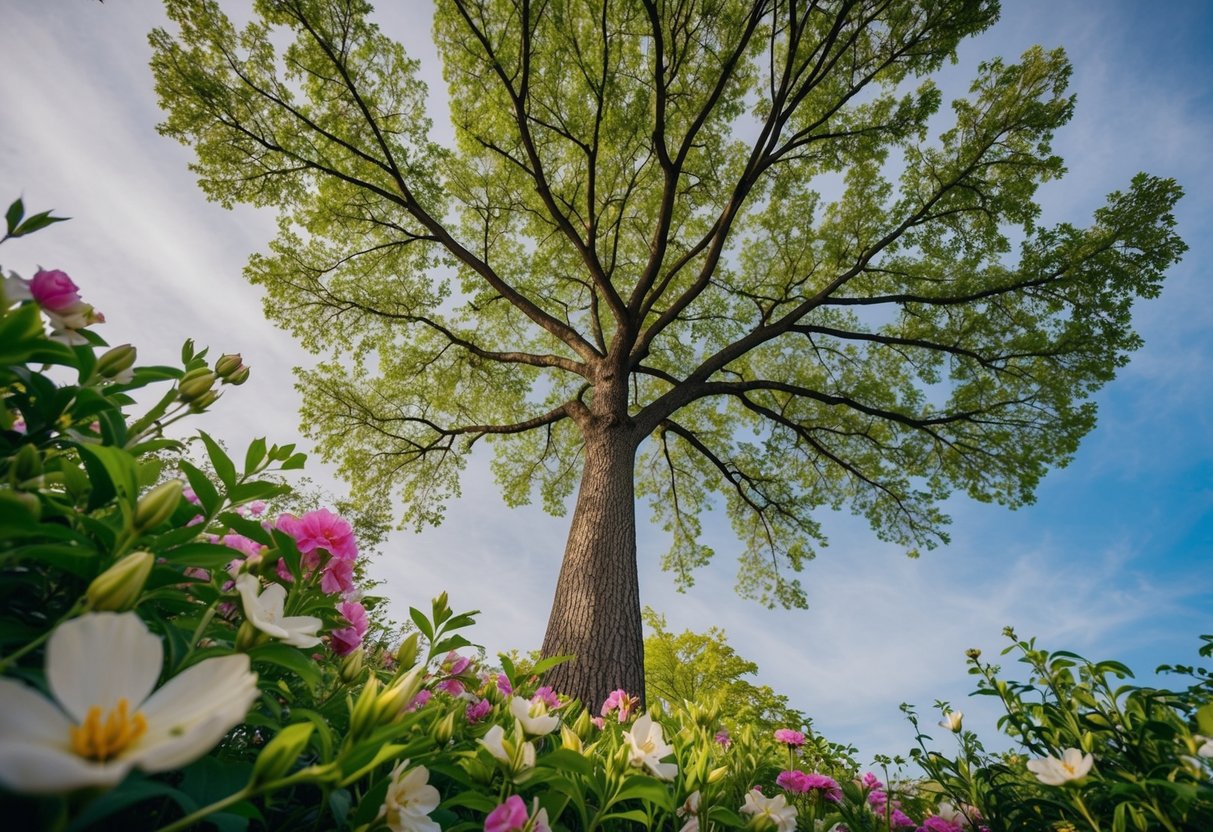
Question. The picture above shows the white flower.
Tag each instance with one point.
(1206, 746)
(519, 757)
(952, 721)
(648, 746)
(962, 815)
(1051, 771)
(690, 810)
(534, 716)
(101, 668)
(774, 809)
(409, 800)
(264, 611)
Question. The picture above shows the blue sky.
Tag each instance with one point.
(1112, 561)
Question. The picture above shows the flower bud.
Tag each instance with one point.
(239, 377)
(973, 653)
(247, 637)
(406, 653)
(363, 711)
(351, 667)
(717, 774)
(445, 729)
(26, 469)
(569, 739)
(118, 588)
(204, 401)
(582, 724)
(157, 505)
(195, 383)
(276, 759)
(397, 695)
(228, 364)
(116, 361)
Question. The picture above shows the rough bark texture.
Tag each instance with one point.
(596, 610)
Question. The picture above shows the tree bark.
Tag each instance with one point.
(596, 610)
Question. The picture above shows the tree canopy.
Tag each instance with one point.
(707, 250)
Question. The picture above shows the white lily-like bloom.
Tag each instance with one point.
(1052, 771)
(648, 746)
(409, 800)
(952, 720)
(1205, 746)
(102, 669)
(774, 809)
(265, 611)
(519, 758)
(534, 716)
(690, 810)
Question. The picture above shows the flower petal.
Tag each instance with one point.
(99, 658)
(42, 769)
(193, 711)
(28, 716)
(301, 630)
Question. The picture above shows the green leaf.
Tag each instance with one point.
(423, 623)
(289, 658)
(36, 223)
(132, 791)
(204, 489)
(112, 471)
(253, 456)
(202, 555)
(225, 469)
(648, 789)
(1204, 719)
(12, 217)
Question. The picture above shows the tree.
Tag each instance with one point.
(716, 247)
(703, 669)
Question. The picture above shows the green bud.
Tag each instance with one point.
(204, 401)
(247, 637)
(157, 505)
(116, 361)
(239, 377)
(445, 729)
(582, 724)
(276, 759)
(228, 364)
(195, 383)
(363, 711)
(118, 588)
(351, 667)
(406, 653)
(569, 739)
(26, 468)
(717, 774)
(397, 695)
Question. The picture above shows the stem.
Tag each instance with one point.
(1082, 807)
(190, 819)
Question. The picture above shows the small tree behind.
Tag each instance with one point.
(655, 295)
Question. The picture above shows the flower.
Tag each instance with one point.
(1205, 744)
(478, 710)
(348, 639)
(518, 757)
(511, 816)
(102, 670)
(790, 738)
(723, 739)
(962, 815)
(264, 611)
(409, 800)
(321, 529)
(503, 684)
(534, 716)
(952, 721)
(648, 746)
(938, 823)
(798, 782)
(53, 290)
(690, 810)
(621, 701)
(1052, 771)
(547, 696)
(774, 809)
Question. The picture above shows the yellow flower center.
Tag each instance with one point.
(97, 740)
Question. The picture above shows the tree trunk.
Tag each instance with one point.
(596, 611)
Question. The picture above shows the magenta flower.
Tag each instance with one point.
(508, 817)
(799, 782)
(190, 496)
(547, 696)
(54, 291)
(598, 722)
(453, 664)
(453, 687)
(790, 738)
(478, 710)
(338, 576)
(321, 529)
(246, 546)
(899, 819)
(723, 738)
(418, 701)
(620, 702)
(934, 823)
(869, 781)
(503, 685)
(348, 639)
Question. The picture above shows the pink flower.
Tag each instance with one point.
(798, 782)
(899, 819)
(246, 546)
(321, 529)
(621, 701)
(338, 576)
(790, 738)
(478, 710)
(454, 687)
(190, 496)
(503, 685)
(723, 739)
(935, 823)
(453, 664)
(197, 572)
(869, 781)
(348, 639)
(507, 817)
(547, 697)
(418, 701)
(256, 508)
(598, 722)
(54, 291)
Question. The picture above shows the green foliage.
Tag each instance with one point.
(638, 212)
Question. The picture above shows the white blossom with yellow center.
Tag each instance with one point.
(647, 746)
(102, 669)
(1052, 771)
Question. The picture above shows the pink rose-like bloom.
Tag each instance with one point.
(870, 781)
(546, 695)
(54, 291)
(723, 738)
(799, 782)
(338, 576)
(935, 823)
(478, 710)
(899, 819)
(503, 685)
(348, 639)
(321, 529)
(507, 817)
(790, 738)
